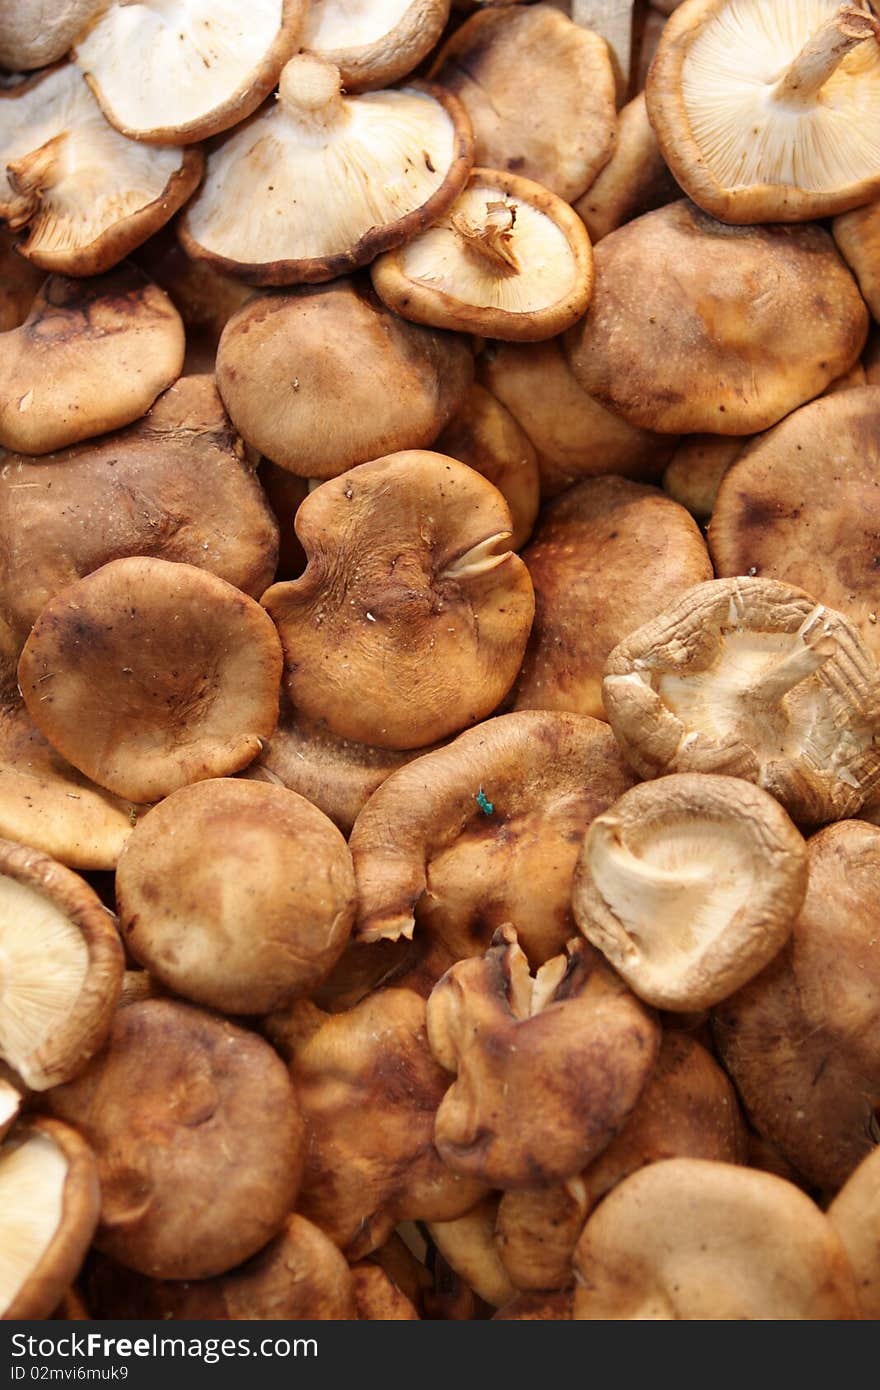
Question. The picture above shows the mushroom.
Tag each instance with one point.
(34, 33)
(800, 1040)
(539, 90)
(19, 283)
(236, 895)
(539, 1307)
(605, 557)
(689, 886)
(174, 71)
(509, 260)
(298, 373)
(635, 180)
(285, 493)
(147, 675)
(49, 1201)
(62, 966)
(10, 1104)
(693, 475)
(373, 45)
(198, 1136)
(331, 180)
(204, 298)
(91, 356)
(858, 240)
(855, 1215)
(752, 678)
(85, 194)
(689, 1239)
(437, 607)
(377, 1297)
(484, 832)
(767, 113)
(697, 327)
(467, 1244)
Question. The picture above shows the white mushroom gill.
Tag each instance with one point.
(479, 559)
(333, 24)
(32, 1177)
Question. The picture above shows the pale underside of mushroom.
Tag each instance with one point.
(32, 1178)
(10, 1104)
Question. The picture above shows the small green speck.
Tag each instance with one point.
(484, 803)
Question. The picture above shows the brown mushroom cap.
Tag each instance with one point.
(767, 113)
(147, 675)
(373, 44)
(693, 475)
(539, 90)
(468, 1246)
(802, 505)
(19, 283)
(50, 1201)
(539, 1307)
(436, 611)
(855, 1215)
(198, 1136)
(61, 963)
(858, 240)
(486, 831)
(377, 1297)
(752, 678)
(690, 1239)
(800, 1041)
(298, 373)
(34, 33)
(235, 894)
(635, 180)
(605, 556)
(719, 347)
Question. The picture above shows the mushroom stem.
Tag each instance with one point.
(797, 664)
(823, 53)
(491, 242)
(310, 90)
(30, 176)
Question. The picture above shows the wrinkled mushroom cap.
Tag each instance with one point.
(34, 33)
(855, 1215)
(373, 44)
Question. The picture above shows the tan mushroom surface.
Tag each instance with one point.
(435, 611)
(635, 180)
(483, 434)
(539, 1307)
(147, 675)
(694, 474)
(752, 678)
(858, 240)
(34, 33)
(855, 1215)
(721, 349)
(377, 1297)
(19, 283)
(373, 42)
(468, 1246)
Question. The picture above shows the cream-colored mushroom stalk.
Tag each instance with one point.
(823, 53)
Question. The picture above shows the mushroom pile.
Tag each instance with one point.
(440, 660)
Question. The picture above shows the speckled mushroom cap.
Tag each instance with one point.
(802, 505)
(635, 180)
(526, 74)
(86, 195)
(373, 44)
(769, 113)
(485, 832)
(330, 180)
(689, 1239)
(159, 674)
(855, 1215)
(34, 33)
(91, 356)
(763, 320)
(858, 240)
(756, 679)
(437, 607)
(800, 1040)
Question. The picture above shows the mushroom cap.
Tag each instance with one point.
(373, 44)
(330, 180)
(635, 180)
(174, 71)
(50, 1202)
(91, 356)
(755, 679)
(377, 1297)
(800, 1040)
(855, 1215)
(236, 895)
(547, 1069)
(160, 674)
(198, 1136)
(509, 259)
(720, 349)
(614, 552)
(802, 505)
(689, 886)
(34, 33)
(693, 475)
(19, 283)
(285, 493)
(743, 142)
(690, 1239)
(298, 372)
(486, 831)
(539, 1307)
(858, 240)
(87, 195)
(468, 1246)
(562, 133)
(61, 963)
(437, 607)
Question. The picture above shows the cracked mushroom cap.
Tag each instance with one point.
(547, 1068)
(91, 356)
(329, 180)
(236, 895)
(298, 373)
(147, 675)
(858, 240)
(437, 606)
(508, 260)
(198, 1136)
(635, 180)
(484, 832)
(61, 963)
(174, 71)
(800, 1041)
(373, 44)
(752, 678)
(49, 1200)
(689, 886)
(769, 113)
(855, 1215)
(689, 1239)
(86, 195)
(34, 33)
(720, 348)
